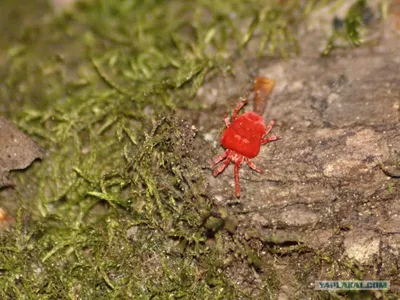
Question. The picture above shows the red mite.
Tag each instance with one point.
(244, 136)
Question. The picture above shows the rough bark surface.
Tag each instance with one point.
(324, 195)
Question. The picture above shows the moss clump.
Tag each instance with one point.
(352, 29)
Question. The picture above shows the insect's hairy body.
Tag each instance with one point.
(244, 134)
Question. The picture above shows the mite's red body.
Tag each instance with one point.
(244, 134)
(243, 138)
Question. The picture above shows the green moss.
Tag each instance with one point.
(352, 30)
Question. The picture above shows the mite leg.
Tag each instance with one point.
(219, 158)
(253, 166)
(227, 123)
(239, 107)
(270, 139)
(237, 166)
(222, 167)
(269, 127)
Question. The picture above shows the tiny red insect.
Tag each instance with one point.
(244, 136)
